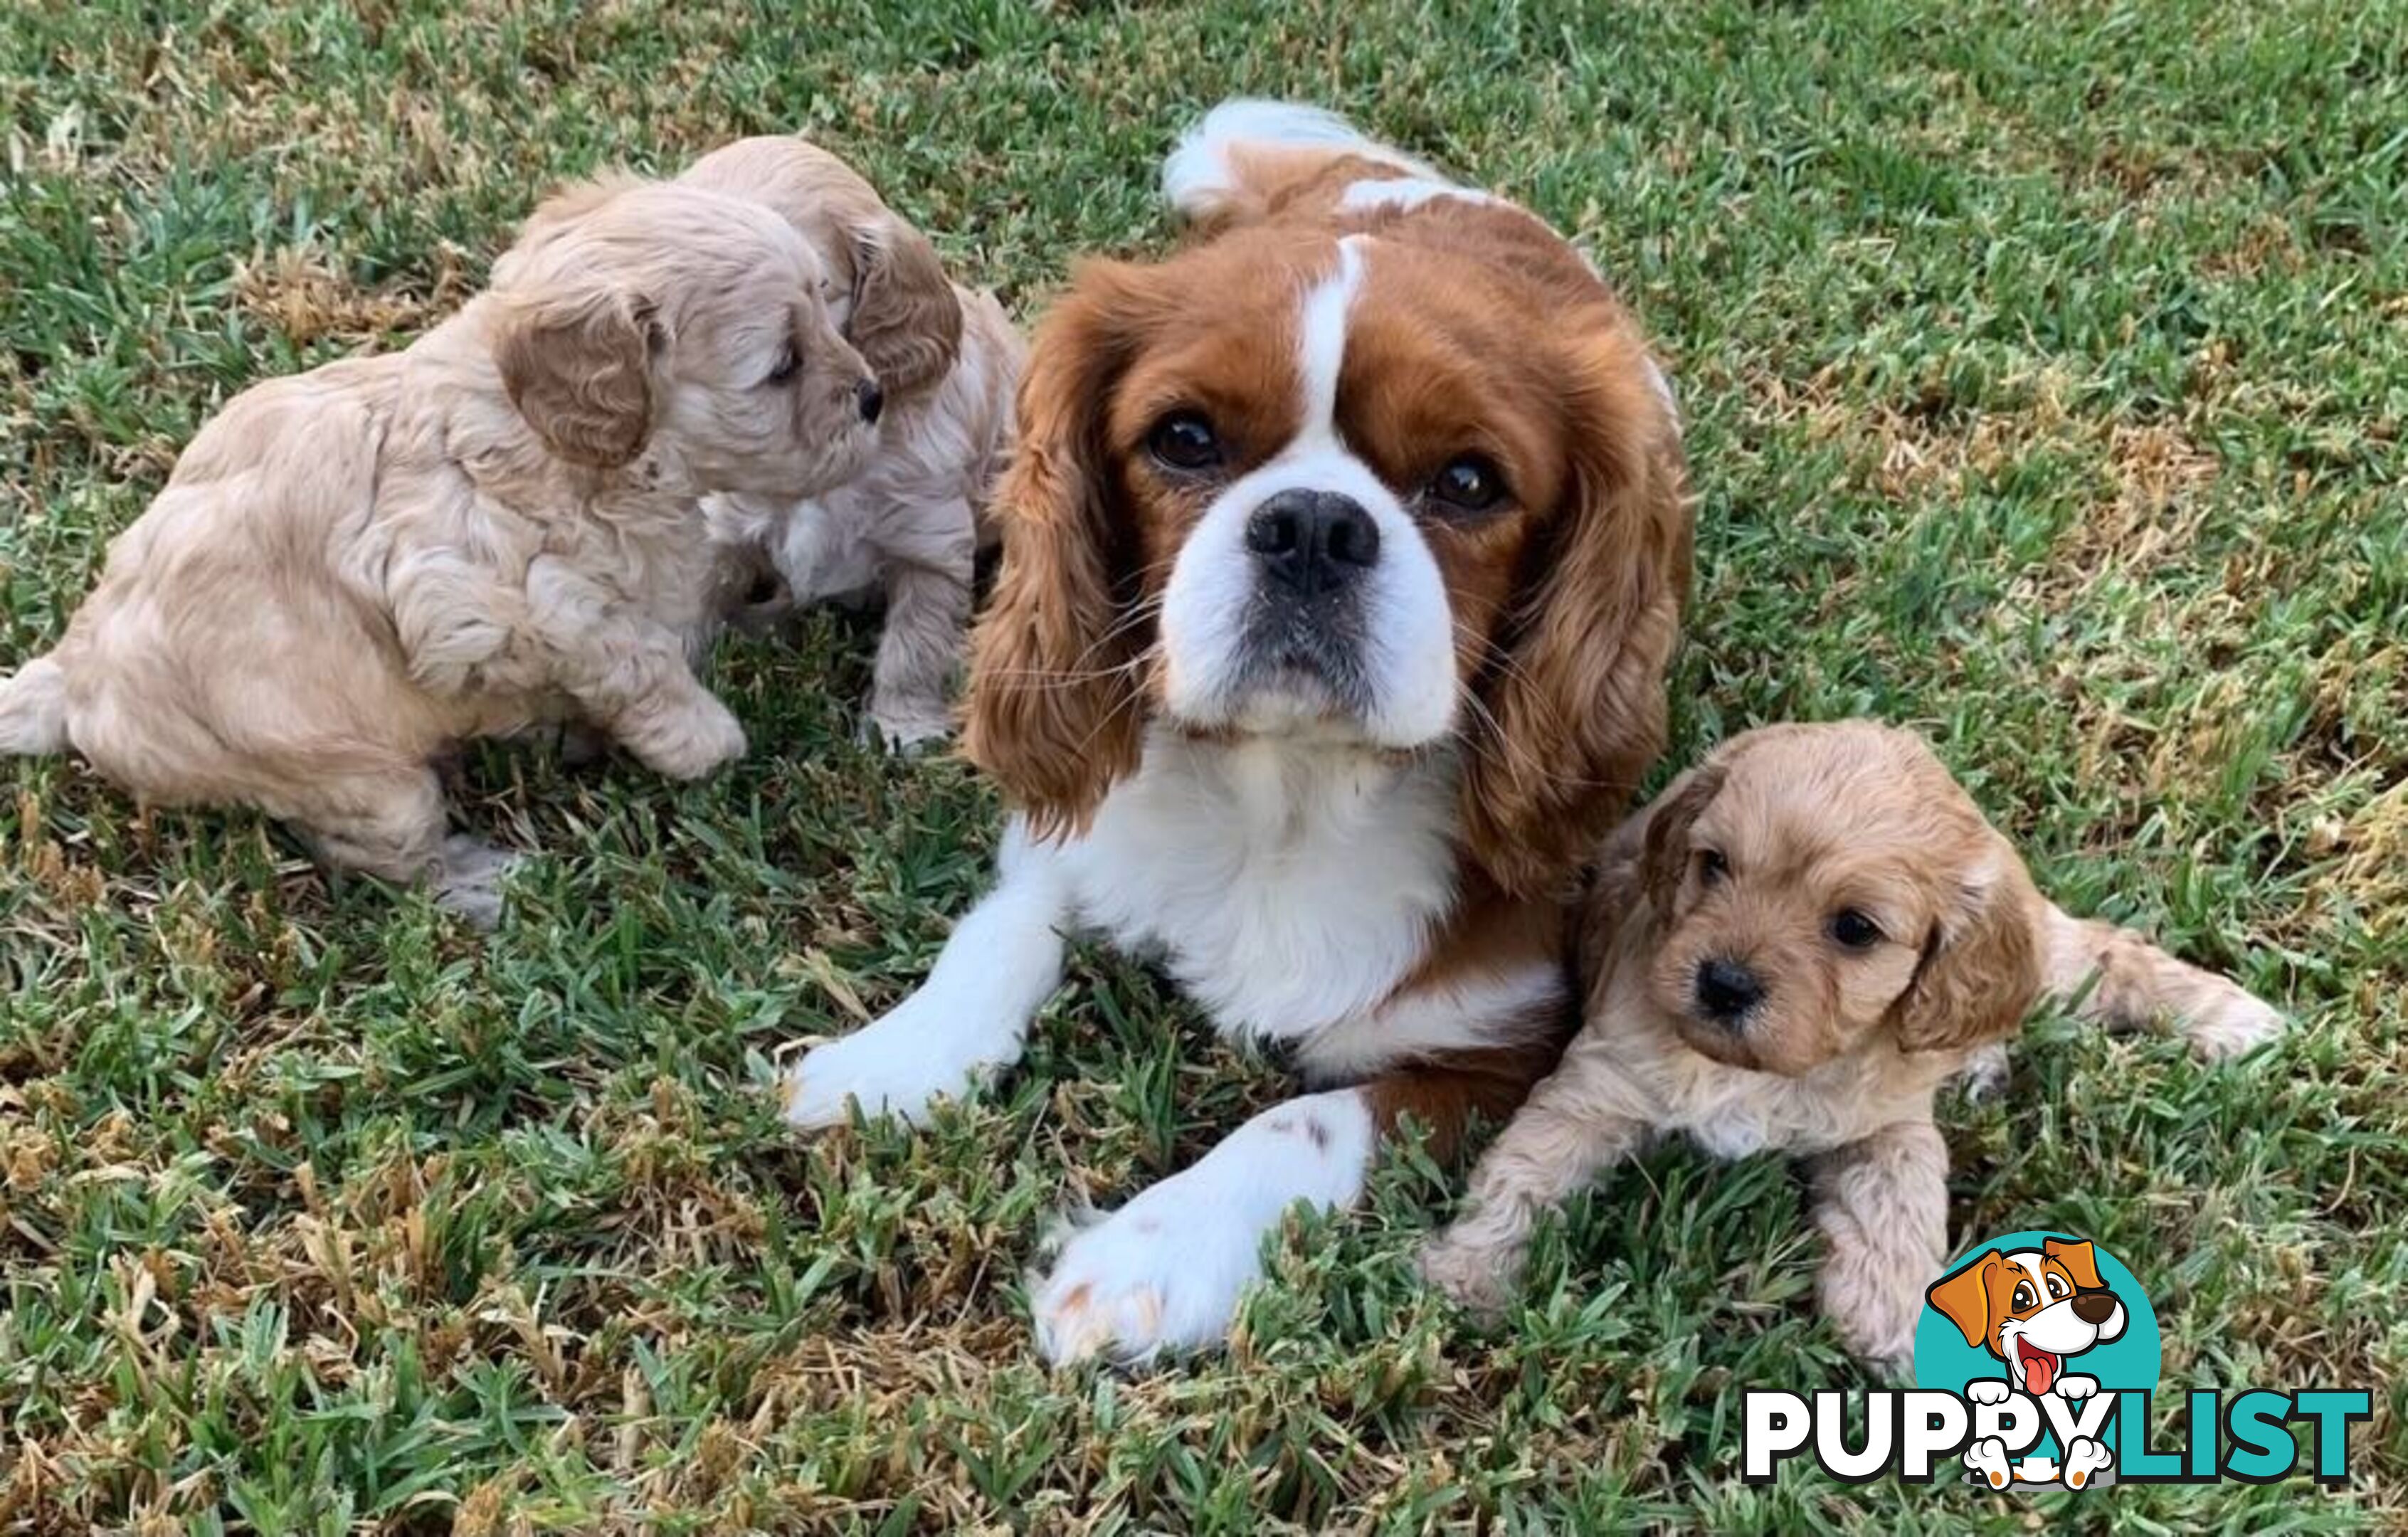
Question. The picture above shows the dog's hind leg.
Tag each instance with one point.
(927, 613)
(393, 825)
(1882, 1203)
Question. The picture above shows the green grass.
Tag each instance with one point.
(2046, 377)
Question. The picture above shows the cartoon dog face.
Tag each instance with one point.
(2033, 1308)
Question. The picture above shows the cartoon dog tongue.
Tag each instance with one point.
(2039, 1367)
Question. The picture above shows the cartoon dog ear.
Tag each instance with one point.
(907, 320)
(1964, 1298)
(2080, 1260)
(578, 367)
(1981, 964)
(1666, 858)
(1055, 708)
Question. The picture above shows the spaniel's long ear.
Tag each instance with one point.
(1055, 706)
(907, 320)
(577, 366)
(1669, 819)
(1981, 964)
(1574, 706)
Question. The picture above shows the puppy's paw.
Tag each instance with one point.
(1476, 1277)
(2085, 1460)
(2074, 1387)
(2231, 1023)
(701, 739)
(1988, 1460)
(467, 880)
(1988, 1390)
(907, 729)
(1984, 1076)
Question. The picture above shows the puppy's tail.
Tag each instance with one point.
(33, 708)
(1236, 164)
(2113, 977)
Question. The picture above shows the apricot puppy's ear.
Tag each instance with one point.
(1981, 964)
(1964, 1298)
(2080, 1259)
(579, 369)
(1668, 821)
(907, 320)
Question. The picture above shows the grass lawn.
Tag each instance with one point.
(2046, 376)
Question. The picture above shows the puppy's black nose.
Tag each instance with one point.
(870, 398)
(2094, 1307)
(1726, 990)
(1314, 541)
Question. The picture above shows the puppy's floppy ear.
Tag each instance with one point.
(907, 320)
(1963, 1298)
(1668, 821)
(1575, 705)
(1981, 964)
(579, 369)
(1055, 702)
(2080, 1259)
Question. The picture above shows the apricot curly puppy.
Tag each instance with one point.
(352, 569)
(1792, 948)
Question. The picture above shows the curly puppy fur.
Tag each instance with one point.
(909, 526)
(352, 569)
(1791, 949)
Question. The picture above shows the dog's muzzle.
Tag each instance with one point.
(1312, 551)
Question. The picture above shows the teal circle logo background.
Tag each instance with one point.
(2134, 1358)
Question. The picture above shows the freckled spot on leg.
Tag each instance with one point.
(1319, 1133)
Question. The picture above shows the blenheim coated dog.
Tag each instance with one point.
(353, 569)
(1791, 949)
(1344, 554)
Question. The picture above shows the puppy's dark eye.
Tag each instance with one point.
(1471, 483)
(1185, 440)
(1855, 930)
(2025, 1296)
(789, 362)
(1712, 867)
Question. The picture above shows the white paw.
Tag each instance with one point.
(1984, 1075)
(2238, 1023)
(1988, 1390)
(1987, 1457)
(1164, 1274)
(2085, 1460)
(908, 729)
(898, 1066)
(2076, 1387)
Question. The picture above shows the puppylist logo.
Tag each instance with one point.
(2035, 1366)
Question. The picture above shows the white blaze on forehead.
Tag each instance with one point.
(1321, 345)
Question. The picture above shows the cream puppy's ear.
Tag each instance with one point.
(577, 367)
(907, 320)
(1981, 965)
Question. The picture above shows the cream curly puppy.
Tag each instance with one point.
(1791, 949)
(909, 527)
(353, 569)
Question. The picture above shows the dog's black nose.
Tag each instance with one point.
(870, 398)
(2094, 1307)
(1314, 541)
(1726, 990)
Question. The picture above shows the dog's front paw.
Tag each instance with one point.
(1988, 1390)
(702, 739)
(467, 880)
(908, 729)
(889, 1067)
(1476, 1277)
(2076, 1387)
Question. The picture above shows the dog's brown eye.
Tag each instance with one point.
(2025, 1296)
(788, 362)
(1471, 483)
(1185, 440)
(1712, 867)
(1855, 930)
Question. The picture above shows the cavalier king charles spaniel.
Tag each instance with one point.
(1791, 949)
(1343, 556)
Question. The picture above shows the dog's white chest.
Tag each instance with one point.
(1286, 886)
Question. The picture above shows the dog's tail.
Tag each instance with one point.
(1235, 165)
(33, 708)
(2113, 977)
